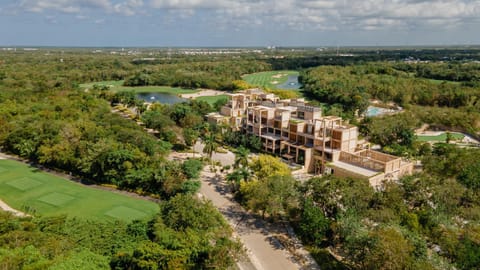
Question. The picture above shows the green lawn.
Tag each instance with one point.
(211, 99)
(442, 81)
(118, 86)
(440, 138)
(23, 187)
(269, 79)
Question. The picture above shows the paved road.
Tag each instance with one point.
(227, 158)
(262, 240)
(261, 253)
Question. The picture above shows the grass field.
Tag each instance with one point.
(24, 187)
(269, 79)
(439, 138)
(442, 81)
(118, 86)
(211, 99)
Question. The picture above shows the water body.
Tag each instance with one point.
(291, 83)
(164, 98)
(373, 111)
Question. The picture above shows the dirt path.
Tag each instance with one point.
(6, 207)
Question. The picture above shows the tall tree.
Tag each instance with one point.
(211, 144)
(241, 157)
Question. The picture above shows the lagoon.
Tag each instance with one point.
(291, 83)
(163, 98)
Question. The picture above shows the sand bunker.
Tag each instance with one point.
(278, 76)
(7, 208)
(203, 93)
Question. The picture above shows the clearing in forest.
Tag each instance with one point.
(440, 137)
(31, 190)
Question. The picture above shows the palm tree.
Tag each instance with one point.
(241, 157)
(236, 177)
(210, 144)
(190, 137)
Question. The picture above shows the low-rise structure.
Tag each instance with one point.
(300, 134)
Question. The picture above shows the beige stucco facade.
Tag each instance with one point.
(300, 134)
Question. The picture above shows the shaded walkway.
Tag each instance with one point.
(269, 246)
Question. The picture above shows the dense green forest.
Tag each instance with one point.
(349, 88)
(429, 220)
(426, 221)
(205, 74)
(187, 233)
(47, 119)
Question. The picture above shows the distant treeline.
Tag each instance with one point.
(349, 89)
(345, 56)
(206, 74)
(58, 69)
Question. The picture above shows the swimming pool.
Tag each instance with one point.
(373, 111)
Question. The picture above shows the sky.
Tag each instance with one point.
(240, 23)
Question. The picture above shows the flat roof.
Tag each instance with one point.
(287, 108)
(354, 168)
(262, 107)
(270, 136)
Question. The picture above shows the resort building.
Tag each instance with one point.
(300, 135)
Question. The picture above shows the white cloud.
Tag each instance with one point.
(191, 4)
(128, 8)
(330, 15)
(67, 6)
(125, 7)
(296, 14)
(181, 13)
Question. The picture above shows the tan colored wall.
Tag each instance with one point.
(345, 137)
(227, 111)
(406, 169)
(308, 158)
(340, 172)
